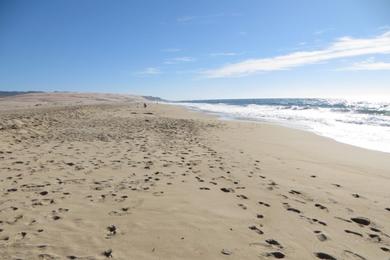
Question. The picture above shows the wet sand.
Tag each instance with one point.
(89, 176)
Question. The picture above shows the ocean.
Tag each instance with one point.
(360, 123)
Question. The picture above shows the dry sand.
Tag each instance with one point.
(93, 176)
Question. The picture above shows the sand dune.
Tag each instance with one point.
(55, 99)
(98, 176)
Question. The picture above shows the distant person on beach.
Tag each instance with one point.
(145, 105)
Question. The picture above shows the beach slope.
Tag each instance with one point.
(95, 176)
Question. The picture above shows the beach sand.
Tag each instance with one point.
(95, 176)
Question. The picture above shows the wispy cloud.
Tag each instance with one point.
(384, 28)
(224, 54)
(171, 50)
(320, 32)
(342, 48)
(369, 64)
(204, 18)
(185, 19)
(149, 71)
(179, 60)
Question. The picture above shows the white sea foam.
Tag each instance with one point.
(365, 125)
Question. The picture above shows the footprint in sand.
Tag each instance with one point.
(318, 221)
(242, 197)
(353, 233)
(121, 212)
(375, 237)
(295, 192)
(320, 206)
(242, 206)
(112, 230)
(385, 249)
(321, 236)
(226, 252)
(353, 255)
(256, 229)
(264, 204)
(289, 208)
(361, 221)
(294, 210)
(227, 189)
(325, 256)
(273, 242)
(4, 238)
(278, 255)
(107, 253)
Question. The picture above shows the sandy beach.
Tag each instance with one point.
(98, 176)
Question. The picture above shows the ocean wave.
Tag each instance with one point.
(362, 124)
(337, 105)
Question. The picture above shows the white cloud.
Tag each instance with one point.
(223, 54)
(205, 18)
(149, 71)
(369, 64)
(384, 28)
(342, 48)
(185, 19)
(319, 32)
(179, 60)
(171, 50)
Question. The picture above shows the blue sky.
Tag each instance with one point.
(198, 49)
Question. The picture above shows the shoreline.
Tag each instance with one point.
(220, 116)
(290, 131)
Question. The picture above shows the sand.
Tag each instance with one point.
(94, 176)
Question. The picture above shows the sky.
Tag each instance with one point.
(183, 50)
